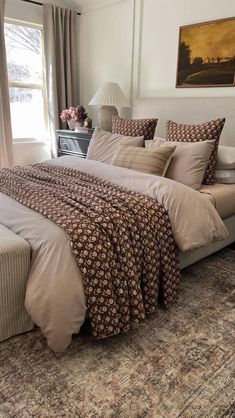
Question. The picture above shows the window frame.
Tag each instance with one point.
(36, 86)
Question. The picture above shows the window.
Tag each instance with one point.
(26, 80)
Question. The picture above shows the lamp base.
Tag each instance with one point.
(105, 117)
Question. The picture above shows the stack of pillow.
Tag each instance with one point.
(188, 154)
(125, 147)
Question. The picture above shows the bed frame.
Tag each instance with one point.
(190, 257)
(193, 110)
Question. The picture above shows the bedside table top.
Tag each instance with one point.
(87, 131)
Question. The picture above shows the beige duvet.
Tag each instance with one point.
(55, 297)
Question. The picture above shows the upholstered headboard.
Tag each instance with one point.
(188, 110)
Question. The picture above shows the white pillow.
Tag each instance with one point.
(225, 158)
(225, 176)
(188, 162)
(103, 144)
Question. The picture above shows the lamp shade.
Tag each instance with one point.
(110, 94)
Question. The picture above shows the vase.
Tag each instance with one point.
(88, 123)
(74, 124)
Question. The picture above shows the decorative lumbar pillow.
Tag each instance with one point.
(134, 127)
(189, 161)
(141, 159)
(103, 145)
(197, 133)
(225, 176)
(226, 158)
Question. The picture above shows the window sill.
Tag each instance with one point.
(30, 141)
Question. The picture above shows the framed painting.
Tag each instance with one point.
(206, 54)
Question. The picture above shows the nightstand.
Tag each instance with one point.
(73, 143)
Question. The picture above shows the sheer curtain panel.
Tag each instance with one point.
(6, 147)
(60, 49)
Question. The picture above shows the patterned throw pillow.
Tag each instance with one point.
(195, 133)
(134, 127)
(141, 159)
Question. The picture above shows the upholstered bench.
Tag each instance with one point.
(14, 270)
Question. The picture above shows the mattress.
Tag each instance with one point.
(222, 197)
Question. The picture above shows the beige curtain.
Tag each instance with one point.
(60, 48)
(6, 147)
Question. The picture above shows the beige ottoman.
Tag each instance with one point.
(14, 270)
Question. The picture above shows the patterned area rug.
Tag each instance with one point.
(179, 364)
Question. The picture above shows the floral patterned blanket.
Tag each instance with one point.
(122, 240)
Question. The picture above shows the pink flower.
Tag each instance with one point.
(65, 115)
(75, 113)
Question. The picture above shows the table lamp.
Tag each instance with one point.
(108, 97)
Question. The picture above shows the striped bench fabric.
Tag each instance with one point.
(14, 270)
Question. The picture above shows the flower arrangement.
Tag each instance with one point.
(77, 114)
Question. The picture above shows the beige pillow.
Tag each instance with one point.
(225, 176)
(141, 159)
(189, 161)
(225, 158)
(211, 130)
(103, 145)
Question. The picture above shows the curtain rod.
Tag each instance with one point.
(40, 4)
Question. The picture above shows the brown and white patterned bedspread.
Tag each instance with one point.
(122, 240)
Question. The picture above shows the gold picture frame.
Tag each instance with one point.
(206, 54)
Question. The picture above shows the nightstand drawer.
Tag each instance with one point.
(73, 143)
(79, 146)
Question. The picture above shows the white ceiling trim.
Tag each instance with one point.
(91, 5)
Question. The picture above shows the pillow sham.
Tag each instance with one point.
(197, 133)
(103, 145)
(141, 159)
(225, 176)
(134, 127)
(226, 158)
(188, 162)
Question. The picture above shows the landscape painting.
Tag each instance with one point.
(206, 55)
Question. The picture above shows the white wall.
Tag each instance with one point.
(160, 43)
(106, 49)
(30, 152)
(25, 153)
(140, 53)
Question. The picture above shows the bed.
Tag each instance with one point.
(60, 309)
